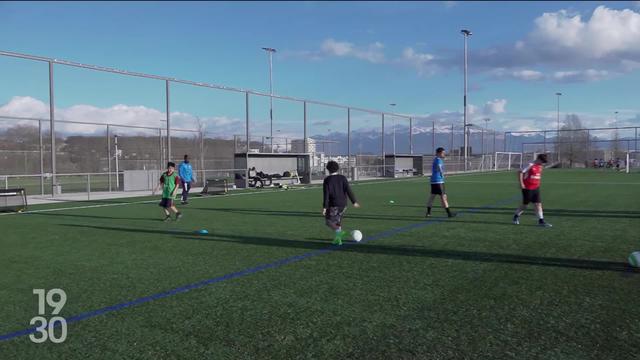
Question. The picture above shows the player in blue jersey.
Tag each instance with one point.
(437, 183)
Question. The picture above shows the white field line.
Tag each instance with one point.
(194, 198)
(548, 182)
(309, 187)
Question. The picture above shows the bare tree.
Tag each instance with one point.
(573, 141)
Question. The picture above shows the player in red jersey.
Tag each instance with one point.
(530, 178)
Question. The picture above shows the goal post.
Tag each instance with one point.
(632, 161)
(13, 200)
(505, 160)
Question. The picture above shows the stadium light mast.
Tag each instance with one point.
(270, 51)
(394, 131)
(466, 33)
(558, 94)
(616, 118)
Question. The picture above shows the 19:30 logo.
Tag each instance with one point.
(46, 328)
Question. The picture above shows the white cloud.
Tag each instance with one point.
(607, 32)
(372, 53)
(497, 106)
(526, 75)
(608, 38)
(449, 4)
(580, 75)
(28, 107)
(423, 63)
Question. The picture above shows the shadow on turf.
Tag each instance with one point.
(93, 216)
(613, 214)
(314, 214)
(369, 248)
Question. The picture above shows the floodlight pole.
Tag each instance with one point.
(486, 128)
(558, 94)
(270, 51)
(466, 34)
(168, 121)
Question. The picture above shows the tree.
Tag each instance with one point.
(574, 141)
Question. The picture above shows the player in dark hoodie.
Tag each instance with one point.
(336, 189)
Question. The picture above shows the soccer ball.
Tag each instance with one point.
(634, 259)
(357, 235)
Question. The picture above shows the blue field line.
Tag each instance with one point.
(245, 272)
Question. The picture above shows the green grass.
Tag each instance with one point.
(471, 287)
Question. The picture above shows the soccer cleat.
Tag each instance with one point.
(178, 216)
(428, 215)
(544, 224)
(516, 220)
(452, 214)
(338, 239)
(167, 218)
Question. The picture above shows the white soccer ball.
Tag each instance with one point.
(356, 235)
(634, 259)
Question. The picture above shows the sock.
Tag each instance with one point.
(519, 212)
(448, 211)
(428, 209)
(540, 216)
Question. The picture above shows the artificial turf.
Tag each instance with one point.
(475, 286)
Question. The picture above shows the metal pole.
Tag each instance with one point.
(109, 157)
(271, 95)
(636, 139)
(451, 148)
(88, 186)
(394, 136)
(202, 170)
(349, 145)
(52, 128)
(161, 149)
(246, 168)
(41, 158)
(482, 140)
(117, 169)
(411, 136)
(558, 128)
(168, 121)
(304, 119)
(384, 160)
(466, 139)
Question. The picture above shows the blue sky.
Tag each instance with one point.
(365, 54)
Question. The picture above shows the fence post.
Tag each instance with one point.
(246, 168)
(384, 157)
(41, 158)
(109, 156)
(88, 186)
(52, 128)
(350, 172)
(168, 121)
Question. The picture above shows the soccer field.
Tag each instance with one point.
(265, 283)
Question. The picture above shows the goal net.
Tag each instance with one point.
(13, 200)
(632, 161)
(215, 187)
(508, 160)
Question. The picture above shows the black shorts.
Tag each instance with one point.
(438, 189)
(166, 203)
(334, 215)
(531, 196)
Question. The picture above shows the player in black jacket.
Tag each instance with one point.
(336, 189)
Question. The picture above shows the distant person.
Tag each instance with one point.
(530, 178)
(169, 181)
(335, 190)
(186, 175)
(437, 183)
